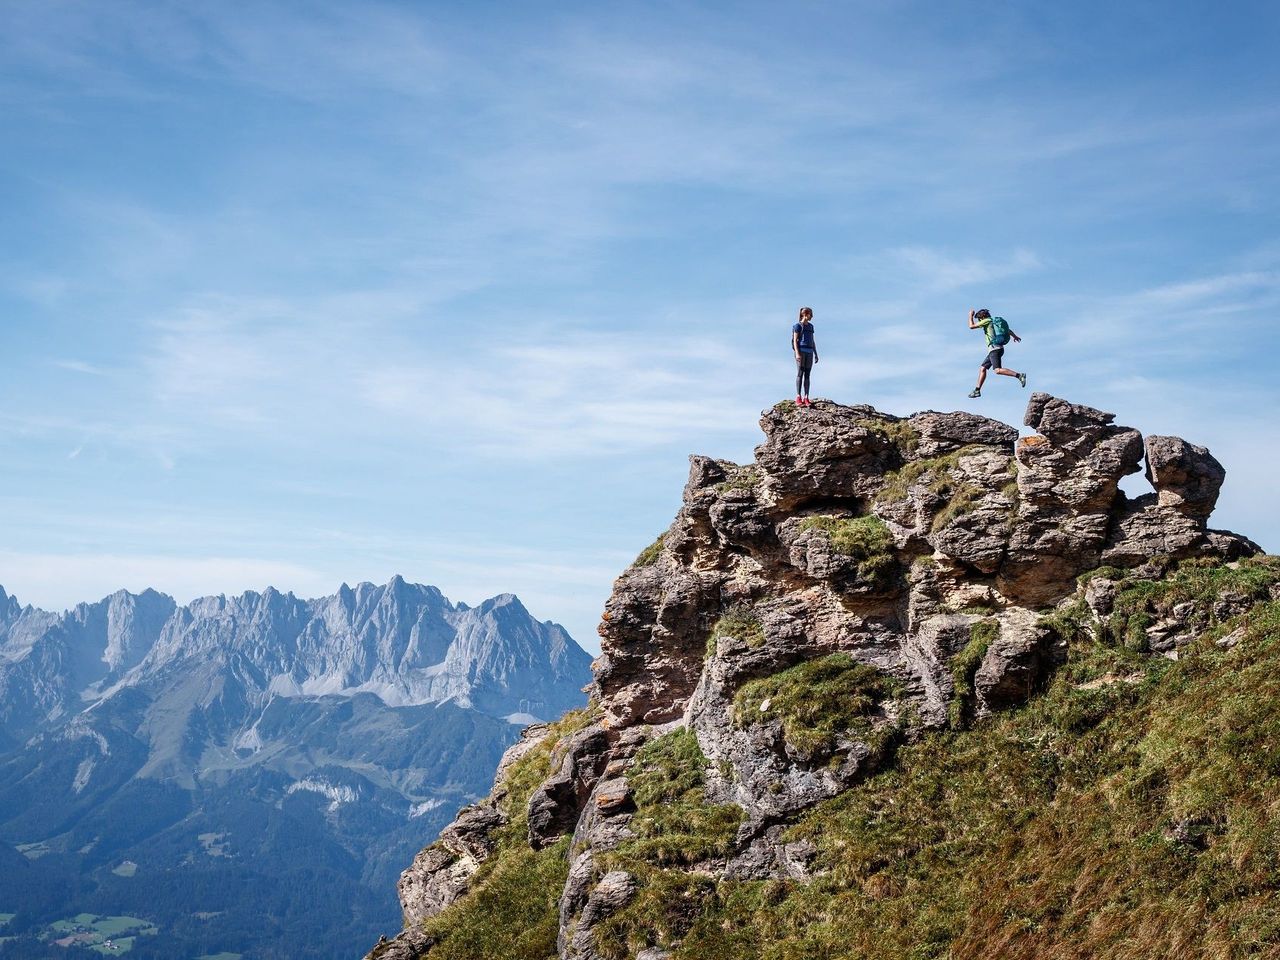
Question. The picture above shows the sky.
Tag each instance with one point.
(304, 293)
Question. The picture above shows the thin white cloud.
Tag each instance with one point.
(79, 366)
(939, 270)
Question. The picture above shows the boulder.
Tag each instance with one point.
(941, 433)
(1186, 477)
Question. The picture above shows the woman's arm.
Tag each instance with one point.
(795, 345)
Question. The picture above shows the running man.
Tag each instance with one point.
(998, 334)
(806, 351)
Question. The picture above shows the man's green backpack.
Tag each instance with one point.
(999, 332)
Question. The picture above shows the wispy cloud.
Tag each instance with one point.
(79, 366)
(938, 270)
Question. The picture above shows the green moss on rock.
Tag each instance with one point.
(865, 539)
(964, 666)
(818, 701)
(649, 555)
(739, 621)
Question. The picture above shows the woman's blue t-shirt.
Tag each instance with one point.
(805, 340)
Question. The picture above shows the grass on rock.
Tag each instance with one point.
(740, 622)
(865, 539)
(674, 828)
(649, 555)
(1131, 811)
(741, 479)
(960, 497)
(964, 666)
(898, 432)
(818, 701)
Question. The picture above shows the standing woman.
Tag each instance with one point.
(806, 351)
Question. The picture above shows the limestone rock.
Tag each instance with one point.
(828, 451)
(1068, 484)
(947, 432)
(1018, 659)
(613, 892)
(554, 806)
(1186, 477)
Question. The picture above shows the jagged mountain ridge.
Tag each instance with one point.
(826, 626)
(403, 642)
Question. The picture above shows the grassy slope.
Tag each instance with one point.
(1130, 811)
(1138, 817)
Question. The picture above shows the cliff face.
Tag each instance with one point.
(808, 628)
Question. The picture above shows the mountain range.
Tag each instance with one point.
(247, 774)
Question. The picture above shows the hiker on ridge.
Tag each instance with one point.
(806, 351)
(998, 334)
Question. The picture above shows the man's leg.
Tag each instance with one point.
(1020, 377)
(992, 362)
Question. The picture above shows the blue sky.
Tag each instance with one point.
(299, 293)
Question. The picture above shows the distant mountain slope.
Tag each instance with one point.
(164, 761)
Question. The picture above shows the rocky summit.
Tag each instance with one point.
(901, 687)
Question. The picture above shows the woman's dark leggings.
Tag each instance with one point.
(803, 366)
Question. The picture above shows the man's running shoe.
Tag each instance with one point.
(1022, 379)
(976, 392)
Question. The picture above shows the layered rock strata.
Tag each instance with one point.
(923, 551)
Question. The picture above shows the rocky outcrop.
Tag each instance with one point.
(899, 568)
(1186, 477)
(555, 805)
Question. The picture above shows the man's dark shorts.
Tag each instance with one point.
(995, 359)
